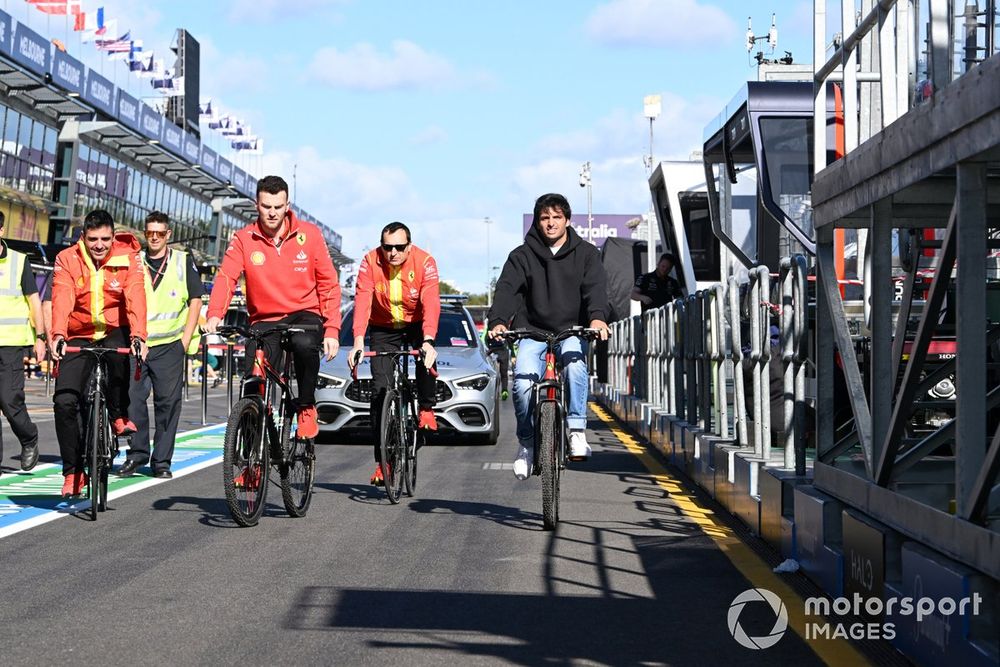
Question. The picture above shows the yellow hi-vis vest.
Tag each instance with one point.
(16, 329)
(167, 305)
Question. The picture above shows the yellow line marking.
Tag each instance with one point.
(750, 565)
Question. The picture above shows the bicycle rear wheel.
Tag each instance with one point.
(391, 446)
(297, 471)
(548, 432)
(245, 462)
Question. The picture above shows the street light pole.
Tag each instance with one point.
(586, 183)
(489, 277)
(651, 109)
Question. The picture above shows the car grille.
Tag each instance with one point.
(361, 391)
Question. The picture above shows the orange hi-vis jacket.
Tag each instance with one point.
(88, 300)
(394, 296)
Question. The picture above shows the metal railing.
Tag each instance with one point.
(688, 359)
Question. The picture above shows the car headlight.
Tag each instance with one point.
(324, 381)
(477, 382)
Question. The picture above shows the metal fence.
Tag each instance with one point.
(688, 359)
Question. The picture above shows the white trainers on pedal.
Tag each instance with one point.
(579, 449)
(523, 462)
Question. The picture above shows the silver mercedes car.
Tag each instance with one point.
(467, 385)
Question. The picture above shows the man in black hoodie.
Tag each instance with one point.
(552, 282)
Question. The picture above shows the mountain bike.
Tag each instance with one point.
(399, 438)
(548, 396)
(260, 434)
(102, 443)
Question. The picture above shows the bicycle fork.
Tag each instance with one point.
(549, 390)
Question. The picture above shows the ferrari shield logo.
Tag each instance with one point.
(410, 276)
(257, 258)
(301, 238)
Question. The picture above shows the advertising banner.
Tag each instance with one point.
(30, 49)
(128, 110)
(603, 227)
(68, 73)
(6, 28)
(100, 92)
(150, 122)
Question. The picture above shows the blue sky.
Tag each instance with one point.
(442, 112)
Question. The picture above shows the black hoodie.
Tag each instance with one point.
(545, 292)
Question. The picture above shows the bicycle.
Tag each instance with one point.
(399, 438)
(259, 434)
(548, 396)
(102, 443)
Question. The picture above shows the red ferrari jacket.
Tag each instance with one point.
(284, 275)
(394, 296)
(88, 300)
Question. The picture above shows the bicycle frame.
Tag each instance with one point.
(550, 390)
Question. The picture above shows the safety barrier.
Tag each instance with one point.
(688, 359)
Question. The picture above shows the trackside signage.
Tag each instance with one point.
(150, 123)
(173, 138)
(209, 160)
(100, 92)
(192, 148)
(6, 25)
(31, 49)
(67, 72)
(128, 109)
(240, 180)
(225, 170)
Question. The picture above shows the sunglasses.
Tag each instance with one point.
(398, 247)
(156, 234)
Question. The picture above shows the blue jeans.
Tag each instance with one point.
(530, 368)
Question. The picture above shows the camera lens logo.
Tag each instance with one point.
(780, 623)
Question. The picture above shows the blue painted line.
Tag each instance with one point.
(29, 499)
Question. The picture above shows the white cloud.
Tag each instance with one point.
(676, 133)
(432, 134)
(661, 24)
(364, 68)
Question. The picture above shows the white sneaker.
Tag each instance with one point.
(579, 449)
(523, 462)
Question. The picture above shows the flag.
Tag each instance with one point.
(57, 7)
(235, 128)
(121, 45)
(128, 55)
(218, 123)
(252, 145)
(151, 69)
(142, 63)
(102, 31)
(59, 45)
(205, 110)
(89, 21)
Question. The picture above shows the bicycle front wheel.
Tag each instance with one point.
(548, 455)
(391, 446)
(245, 460)
(94, 454)
(297, 471)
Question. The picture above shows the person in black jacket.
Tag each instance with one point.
(552, 282)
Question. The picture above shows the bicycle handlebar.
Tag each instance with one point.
(98, 351)
(231, 330)
(393, 354)
(513, 335)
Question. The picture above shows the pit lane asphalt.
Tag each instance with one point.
(461, 574)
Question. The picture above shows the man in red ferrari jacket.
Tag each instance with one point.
(290, 279)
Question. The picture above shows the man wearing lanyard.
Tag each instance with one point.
(173, 304)
(21, 308)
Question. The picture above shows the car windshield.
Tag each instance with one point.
(454, 330)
